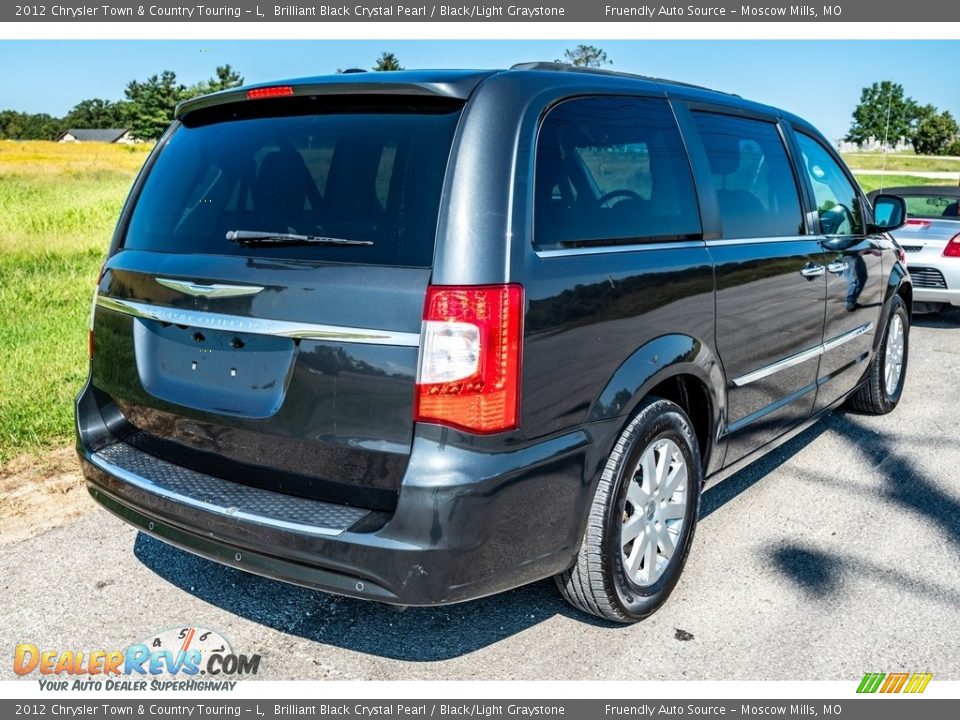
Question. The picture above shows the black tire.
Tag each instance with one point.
(873, 397)
(598, 583)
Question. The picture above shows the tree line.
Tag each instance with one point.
(146, 110)
(885, 113)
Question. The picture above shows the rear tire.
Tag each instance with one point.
(642, 519)
(883, 387)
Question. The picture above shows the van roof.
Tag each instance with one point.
(460, 84)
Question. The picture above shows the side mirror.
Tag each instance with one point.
(889, 213)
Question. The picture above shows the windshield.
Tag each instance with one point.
(931, 206)
(369, 172)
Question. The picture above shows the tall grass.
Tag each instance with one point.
(58, 207)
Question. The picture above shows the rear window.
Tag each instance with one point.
(359, 170)
(932, 206)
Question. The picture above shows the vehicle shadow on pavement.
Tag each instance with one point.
(719, 495)
(898, 481)
(948, 319)
(820, 574)
(416, 634)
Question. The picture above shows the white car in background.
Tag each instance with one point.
(931, 240)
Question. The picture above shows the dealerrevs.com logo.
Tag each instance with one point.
(183, 658)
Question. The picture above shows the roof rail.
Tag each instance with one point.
(567, 67)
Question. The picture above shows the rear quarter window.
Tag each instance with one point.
(612, 170)
(368, 171)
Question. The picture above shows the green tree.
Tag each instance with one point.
(884, 112)
(152, 103)
(98, 114)
(224, 79)
(387, 61)
(935, 134)
(29, 126)
(586, 56)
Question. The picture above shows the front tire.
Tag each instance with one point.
(642, 520)
(888, 370)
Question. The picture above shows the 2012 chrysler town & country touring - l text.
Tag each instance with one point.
(424, 336)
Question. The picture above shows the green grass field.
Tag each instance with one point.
(58, 206)
(902, 163)
(876, 182)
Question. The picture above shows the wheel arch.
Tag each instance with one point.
(679, 368)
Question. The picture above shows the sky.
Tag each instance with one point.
(818, 80)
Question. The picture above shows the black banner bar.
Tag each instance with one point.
(642, 11)
(874, 708)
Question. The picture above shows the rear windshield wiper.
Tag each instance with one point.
(258, 237)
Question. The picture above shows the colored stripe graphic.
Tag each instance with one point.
(918, 682)
(870, 682)
(894, 682)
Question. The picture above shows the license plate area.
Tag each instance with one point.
(217, 371)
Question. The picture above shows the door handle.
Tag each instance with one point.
(837, 267)
(811, 271)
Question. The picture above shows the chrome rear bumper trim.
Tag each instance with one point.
(258, 326)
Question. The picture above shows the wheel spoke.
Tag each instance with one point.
(677, 475)
(673, 511)
(650, 560)
(663, 462)
(637, 496)
(649, 468)
(666, 541)
(637, 553)
(632, 527)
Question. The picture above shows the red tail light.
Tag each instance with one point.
(469, 374)
(269, 92)
(917, 223)
(953, 247)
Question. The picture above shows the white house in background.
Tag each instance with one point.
(111, 135)
(873, 145)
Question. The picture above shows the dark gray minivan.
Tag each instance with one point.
(420, 337)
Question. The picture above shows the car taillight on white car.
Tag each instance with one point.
(469, 375)
(953, 247)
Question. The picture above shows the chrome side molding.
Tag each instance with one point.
(803, 356)
(258, 326)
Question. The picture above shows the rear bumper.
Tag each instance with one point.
(468, 523)
(935, 279)
(934, 295)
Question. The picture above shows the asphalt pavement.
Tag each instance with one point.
(835, 555)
